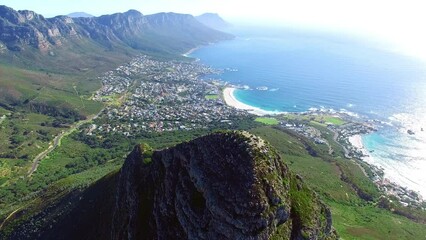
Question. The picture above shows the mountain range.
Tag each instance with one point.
(166, 33)
(77, 50)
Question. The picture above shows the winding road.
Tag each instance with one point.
(8, 217)
(57, 141)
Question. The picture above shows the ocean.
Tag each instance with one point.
(293, 71)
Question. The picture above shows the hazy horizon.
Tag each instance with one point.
(397, 24)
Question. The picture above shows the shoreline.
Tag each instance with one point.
(385, 184)
(356, 144)
(231, 100)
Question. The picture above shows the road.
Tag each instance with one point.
(10, 215)
(57, 141)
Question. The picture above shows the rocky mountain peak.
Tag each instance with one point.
(213, 20)
(133, 12)
(227, 185)
(28, 15)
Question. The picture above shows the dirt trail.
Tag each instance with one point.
(57, 141)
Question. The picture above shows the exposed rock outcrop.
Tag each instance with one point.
(218, 187)
(222, 186)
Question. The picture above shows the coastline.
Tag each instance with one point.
(357, 143)
(231, 100)
(385, 184)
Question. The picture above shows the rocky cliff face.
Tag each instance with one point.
(222, 186)
(20, 30)
(205, 189)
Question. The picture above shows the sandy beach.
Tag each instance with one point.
(356, 141)
(228, 95)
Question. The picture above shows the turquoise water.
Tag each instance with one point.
(295, 71)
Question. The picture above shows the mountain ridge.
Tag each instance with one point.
(213, 20)
(228, 185)
(84, 48)
(26, 29)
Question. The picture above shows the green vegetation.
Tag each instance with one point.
(24, 135)
(212, 96)
(318, 119)
(3, 111)
(41, 102)
(48, 93)
(83, 159)
(267, 121)
(342, 184)
(334, 120)
(371, 222)
(113, 100)
(78, 153)
(302, 201)
(147, 152)
(41, 99)
(38, 105)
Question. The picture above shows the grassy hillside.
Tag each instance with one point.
(43, 94)
(22, 89)
(353, 217)
(37, 106)
(77, 164)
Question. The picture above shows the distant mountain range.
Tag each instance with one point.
(79, 14)
(213, 20)
(166, 33)
(84, 48)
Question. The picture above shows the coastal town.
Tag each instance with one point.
(155, 96)
(347, 131)
(148, 95)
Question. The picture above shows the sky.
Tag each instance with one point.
(399, 23)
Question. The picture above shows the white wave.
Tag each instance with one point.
(352, 114)
(414, 122)
(262, 88)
